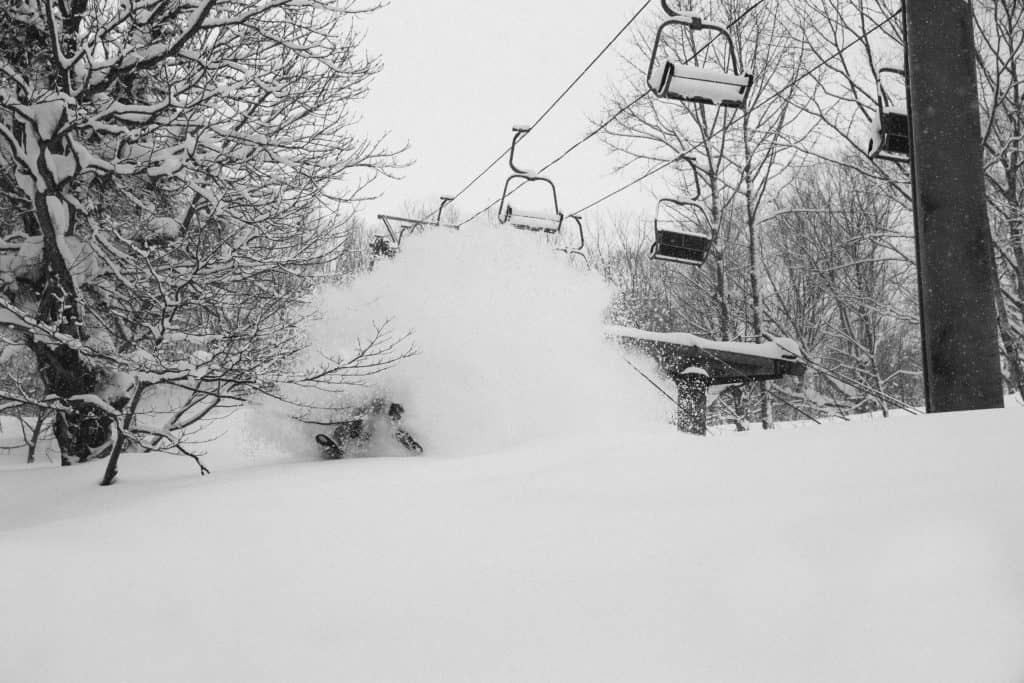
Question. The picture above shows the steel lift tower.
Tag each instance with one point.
(955, 261)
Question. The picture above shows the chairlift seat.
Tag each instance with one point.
(890, 135)
(682, 240)
(688, 83)
(524, 221)
(681, 247)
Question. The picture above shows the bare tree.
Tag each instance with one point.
(1000, 44)
(844, 287)
(186, 171)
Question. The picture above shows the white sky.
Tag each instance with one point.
(459, 73)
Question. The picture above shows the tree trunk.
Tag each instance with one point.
(115, 454)
(692, 402)
(63, 369)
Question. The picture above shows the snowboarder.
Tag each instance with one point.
(357, 431)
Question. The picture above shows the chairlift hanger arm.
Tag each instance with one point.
(445, 201)
(668, 9)
(519, 132)
(673, 12)
(695, 20)
(696, 174)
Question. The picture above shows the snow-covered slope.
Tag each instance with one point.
(556, 530)
(876, 551)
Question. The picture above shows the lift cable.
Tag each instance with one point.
(793, 81)
(597, 130)
(628, 185)
(591, 64)
(563, 155)
(576, 145)
(644, 94)
(857, 39)
(556, 102)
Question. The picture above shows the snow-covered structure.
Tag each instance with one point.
(725, 362)
(694, 363)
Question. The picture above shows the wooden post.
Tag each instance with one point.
(692, 404)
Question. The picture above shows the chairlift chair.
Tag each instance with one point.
(405, 225)
(682, 241)
(688, 237)
(890, 128)
(674, 79)
(548, 222)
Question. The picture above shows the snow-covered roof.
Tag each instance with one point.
(780, 348)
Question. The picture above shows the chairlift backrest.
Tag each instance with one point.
(890, 127)
(676, 79)
(547, 222)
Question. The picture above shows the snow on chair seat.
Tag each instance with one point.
(525, 221)
(694, 84)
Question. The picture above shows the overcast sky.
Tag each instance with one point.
(459, 73)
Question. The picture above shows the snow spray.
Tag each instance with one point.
(509, 340)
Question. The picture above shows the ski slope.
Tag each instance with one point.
(882, 550)
(556, 531)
